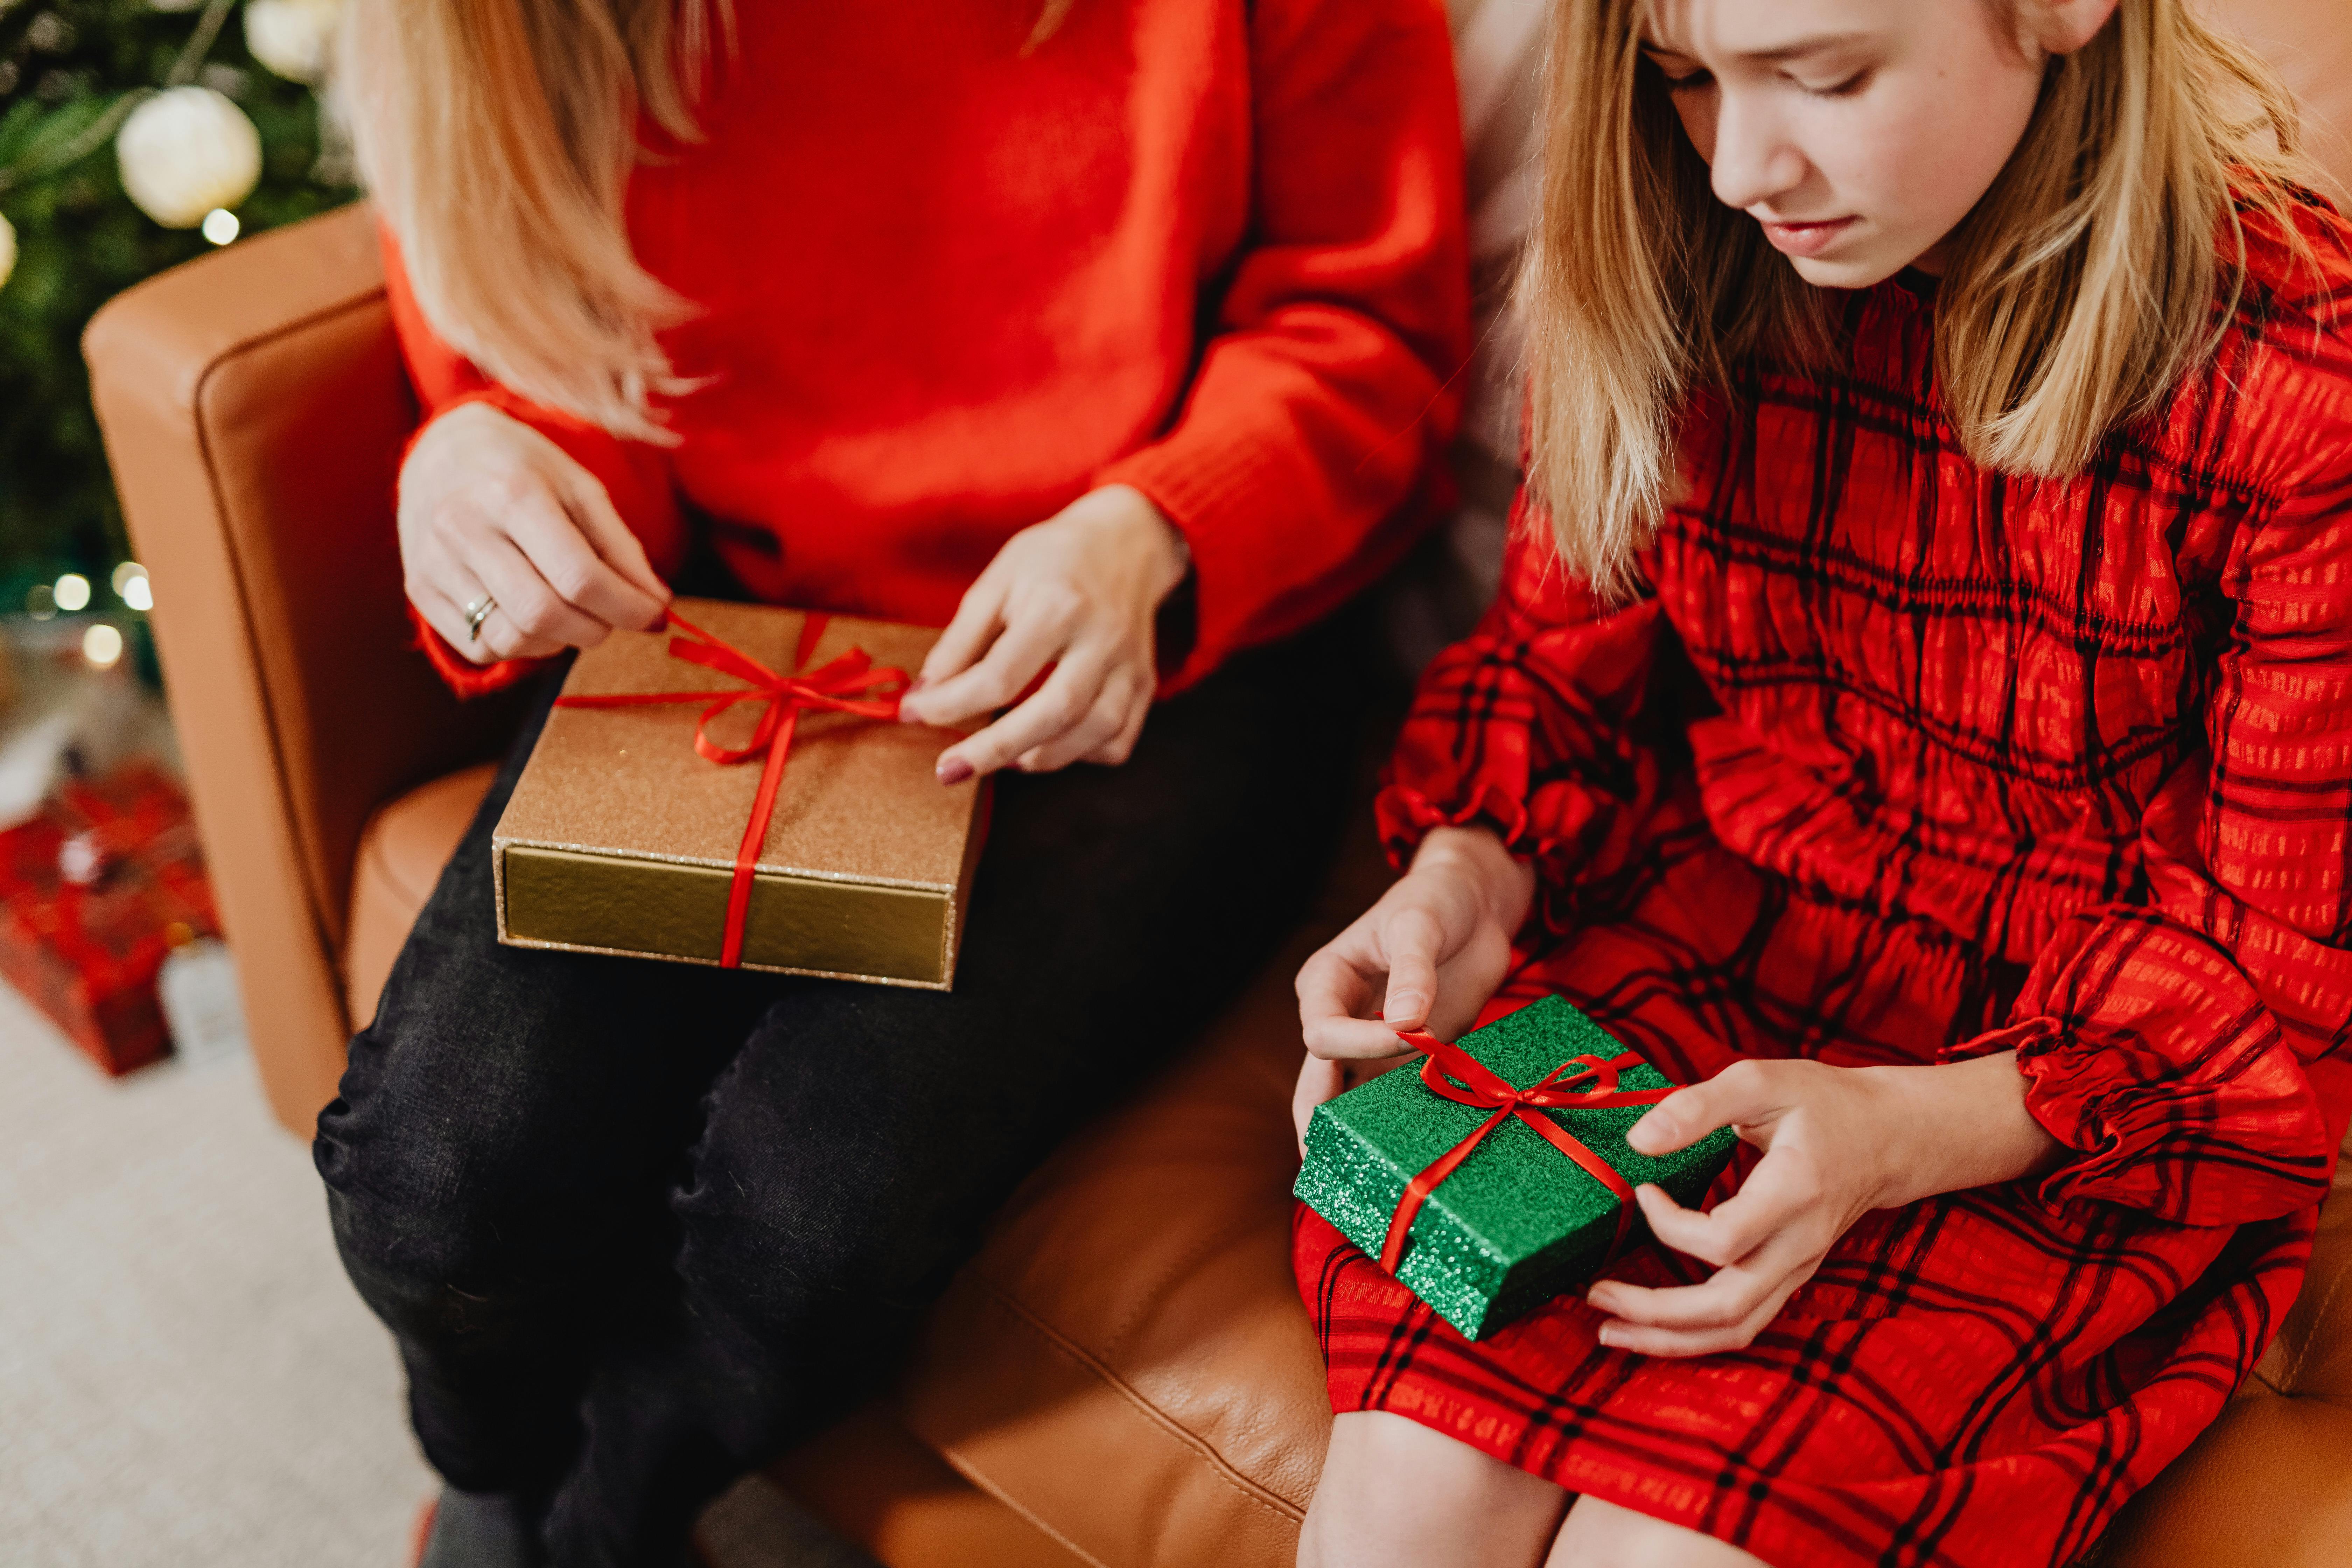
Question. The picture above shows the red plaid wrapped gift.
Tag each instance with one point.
(94, 893)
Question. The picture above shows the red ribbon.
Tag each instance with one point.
(1455, 1073)
(849, 684)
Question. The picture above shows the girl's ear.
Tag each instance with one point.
(2062, 26)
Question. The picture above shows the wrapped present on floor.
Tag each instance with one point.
(1496, 1177)
(95, 892)
(738, 791)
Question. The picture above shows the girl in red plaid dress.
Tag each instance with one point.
(1918, 715)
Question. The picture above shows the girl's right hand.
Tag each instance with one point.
(1428, 955)
(490, 506)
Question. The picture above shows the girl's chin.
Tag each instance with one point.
(1860, 270)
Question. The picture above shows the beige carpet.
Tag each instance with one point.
(186, 1379)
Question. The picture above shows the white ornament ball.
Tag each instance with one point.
(295, 38)
(185, 152)
(8, 250)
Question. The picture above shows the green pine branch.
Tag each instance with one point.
(70, 72)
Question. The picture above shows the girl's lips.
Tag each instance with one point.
(1806, 239)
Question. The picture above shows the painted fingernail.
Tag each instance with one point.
(953, 769)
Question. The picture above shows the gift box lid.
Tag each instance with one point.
(859, 801)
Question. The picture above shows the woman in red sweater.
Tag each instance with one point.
(1118, 340)
(1917, 717)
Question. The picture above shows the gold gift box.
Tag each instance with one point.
(621, 838)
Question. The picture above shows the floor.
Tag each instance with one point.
(185, 1379)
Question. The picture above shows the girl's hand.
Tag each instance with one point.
(489, 505)
(1079, 592)
(1319, 1080)
(1428, 955)
(1838, 1142)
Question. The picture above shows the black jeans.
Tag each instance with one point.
(639, 1226)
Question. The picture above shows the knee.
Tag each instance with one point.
(1599, 1534)
(777, 1230)
(1465, 1506)
(418, 1179)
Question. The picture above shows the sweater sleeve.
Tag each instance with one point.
(1528, 726)
(2192, 1046)
(635, 476)
(1310, 449)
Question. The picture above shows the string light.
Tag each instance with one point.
(72, 593)
(221, 225)
(101, 645)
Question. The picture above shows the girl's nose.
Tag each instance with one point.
(1753, 160)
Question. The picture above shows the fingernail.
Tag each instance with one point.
(1611, 1336)
(953, 769)
(1404, 1004)
(917, 684)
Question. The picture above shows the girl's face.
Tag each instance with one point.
(1859, 132)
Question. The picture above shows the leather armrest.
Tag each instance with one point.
(255, 405)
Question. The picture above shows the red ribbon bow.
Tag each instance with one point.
(1455, 1073)
(849, 684)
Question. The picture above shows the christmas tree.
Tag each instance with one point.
(134, 134)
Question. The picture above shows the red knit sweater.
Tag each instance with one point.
(1210, 248)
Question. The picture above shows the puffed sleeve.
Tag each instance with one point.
(1527, 727)
(1309, 450)
(636, 475)
(2190, 1045)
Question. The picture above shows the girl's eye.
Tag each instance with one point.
(1846, 89)
(1690, 83)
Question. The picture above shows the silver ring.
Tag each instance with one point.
(476, 614)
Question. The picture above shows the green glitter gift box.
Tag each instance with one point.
(1524, 1216)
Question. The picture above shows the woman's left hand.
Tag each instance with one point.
(1838, 1142)
(1079, 592)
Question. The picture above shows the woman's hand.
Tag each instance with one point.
(489, 505)
(1428, 955)
(1080, 592)
(1838, 1142)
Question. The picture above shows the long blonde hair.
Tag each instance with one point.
(2080, 290)
(497, 137)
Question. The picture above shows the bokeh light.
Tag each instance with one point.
(221, 225)
(72, 591)
(132, 586)
(103, 645)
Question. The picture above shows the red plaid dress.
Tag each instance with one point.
(1894, 760)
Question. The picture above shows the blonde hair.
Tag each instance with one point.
(497, 137)
(2079, 291)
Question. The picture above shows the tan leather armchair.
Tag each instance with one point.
(1125, 1376)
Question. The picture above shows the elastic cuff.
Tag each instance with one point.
(1212, 505)
(1406, 817)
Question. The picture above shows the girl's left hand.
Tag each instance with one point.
(1079, 592)
(1838, 1142)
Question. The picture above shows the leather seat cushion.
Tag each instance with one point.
(1135, 1299)
(402, 852)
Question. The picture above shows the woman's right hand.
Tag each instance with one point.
(489, 505)
(1427, 956)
